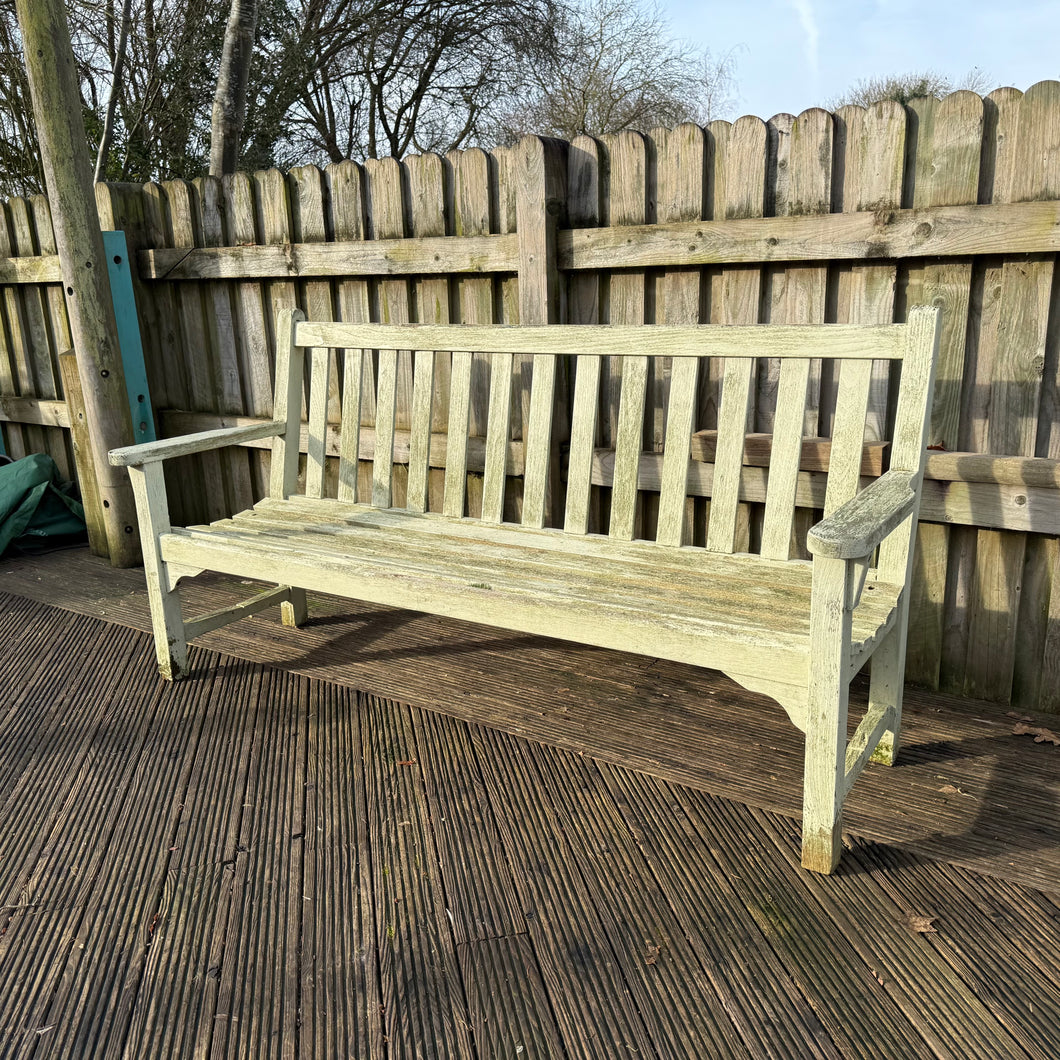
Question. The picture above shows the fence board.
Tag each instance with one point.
(387, 220)
(348, 220)
(55, 303)
(684, 155)
(427, 194)
(740, 190)
(471, 216)
(946, 171)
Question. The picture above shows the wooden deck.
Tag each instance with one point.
(412, 838)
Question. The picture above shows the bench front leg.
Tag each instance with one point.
(824, 768)
(167, 619)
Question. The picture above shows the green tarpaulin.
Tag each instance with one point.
(36, 509)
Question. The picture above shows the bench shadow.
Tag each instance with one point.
(1016, 804)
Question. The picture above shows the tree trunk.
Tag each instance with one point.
(115, 90)
(230, 99)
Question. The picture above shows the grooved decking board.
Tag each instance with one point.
(596, 1012)
(480, 891)
(509, 1007)
(425, 1013)
(938, 1002)
(676, 997)
(822, 954)
(212, 868)
(689, 726)
(774, 1018)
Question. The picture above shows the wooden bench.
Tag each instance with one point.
(794, 629)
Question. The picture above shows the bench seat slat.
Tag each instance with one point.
(747, 592)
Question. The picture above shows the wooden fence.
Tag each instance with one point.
(852, 216)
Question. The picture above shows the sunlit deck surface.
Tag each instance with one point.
(389, 835)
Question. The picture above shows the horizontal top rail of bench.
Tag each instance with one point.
(848, 342)
(924, 232)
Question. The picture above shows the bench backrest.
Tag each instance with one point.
(853, 349)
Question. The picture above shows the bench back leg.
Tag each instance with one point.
(886, 685)
(294, 612)
(167, 619)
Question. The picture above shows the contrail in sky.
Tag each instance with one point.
(808, 20)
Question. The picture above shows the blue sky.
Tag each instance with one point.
(793, 54)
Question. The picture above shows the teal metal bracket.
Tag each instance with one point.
(132, 351)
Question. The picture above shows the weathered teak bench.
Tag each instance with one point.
(796, 630)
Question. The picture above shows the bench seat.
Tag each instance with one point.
(726, 612)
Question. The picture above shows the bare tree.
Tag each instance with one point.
(114, 93)
(619, 67)
(901, 88)
(424, 75)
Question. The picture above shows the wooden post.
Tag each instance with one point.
(68, 173)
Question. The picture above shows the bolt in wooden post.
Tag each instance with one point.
(68, 174)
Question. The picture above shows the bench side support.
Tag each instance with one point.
(824, 783)
(167, 620)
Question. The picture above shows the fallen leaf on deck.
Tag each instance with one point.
(952, 789)
(920, 925)
(1040, 735)
(651, 955)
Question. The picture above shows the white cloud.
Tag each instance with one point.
(808, 21)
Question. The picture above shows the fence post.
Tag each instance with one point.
(540, 211)
(67, 169)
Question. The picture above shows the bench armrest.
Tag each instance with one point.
(183, 445)
(857, 527)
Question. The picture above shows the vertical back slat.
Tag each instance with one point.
(456, 448)
(350, 440)
(728, 461)
(910, 427)
(386, 407)
(420, 438)
(582, 442)
(788, 422)
(498, 429)
(316, 456)
(848, 432)
(628, 442)
(538, 437)
(679, 423)
(287, 405)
